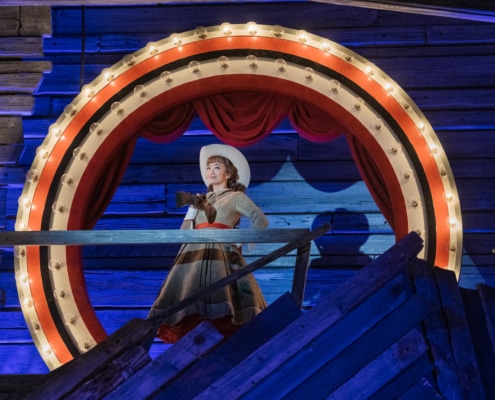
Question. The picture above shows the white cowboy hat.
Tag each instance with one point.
(234, 155)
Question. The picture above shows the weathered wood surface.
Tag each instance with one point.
(347, 297)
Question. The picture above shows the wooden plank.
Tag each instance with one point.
(9, 154)
(112, 375)
(462, 344)
(25, 66)
(487, 296)
(11, 177)
(437, 334)
(423, 389)
(482, 344)
(3, 195)
(235, 349)
(26, 82)
(19, 104)
(346, 346)
(61, 381)
(9, 21)
(21, 47)
(12, 382)
(300, 273)
(168, 365)
(388, 366)
(36, 20)
(11, 128)
(287, 343)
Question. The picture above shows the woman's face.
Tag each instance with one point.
(216, 174)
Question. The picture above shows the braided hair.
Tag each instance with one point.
(230, 169)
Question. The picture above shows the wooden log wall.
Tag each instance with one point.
(445, 65)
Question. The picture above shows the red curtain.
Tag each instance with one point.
(240, 119)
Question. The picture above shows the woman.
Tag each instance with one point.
(226, 173)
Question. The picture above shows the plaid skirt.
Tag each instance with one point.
(196, 267)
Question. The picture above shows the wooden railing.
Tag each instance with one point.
(295, 239)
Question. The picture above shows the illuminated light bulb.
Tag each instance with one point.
(201, 32)
(79, 153)
(140, 91)
(433, 148)
(23, 278)
(194, 67)
(302, 37)
(389, 87)
(129, 60)
(334, 86)
(358, 104)
(449, 196)
(24, 201)
(108, 74)
(280, 65)
(226, 29)
(28, 302)
(152, 48)
(67, 180)
(20, 226)
(58, 207)
(421, 126)
(96, 129)
(369, 71)
(88, 91)
(252, 62)
(176, 40)
(42, 152)
(377, 125)
(414, 203)
(32, 176)
(308, 74)
(277, 31)
(70, 110)
(55, 130)
(223, 62)
(325, 46)
(46, 349)
(166, 76)
(252, 28)
(19, 251)
(70, 319)
(117, 108)
(55, 265)
(453, 223)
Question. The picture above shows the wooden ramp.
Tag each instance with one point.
(399, 329)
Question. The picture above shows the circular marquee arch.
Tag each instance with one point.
(210, 60)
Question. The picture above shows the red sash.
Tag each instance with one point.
(212, 225)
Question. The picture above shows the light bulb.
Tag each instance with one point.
(140, 91)
(28, 302)
(226, 29)
(23, 278)
(32, 176)
(20, 226)
(308, 74)
(176, 40)
(377, 125)
(252, 61)
(334, 86)
(70, 110)
(369, 71)
(302, 37)
(277, 31)
(252, 28)
(42, 152)
(55, 130)
(55, 265)
(79, 153)
(129, 60)
(413, 203)
(449, 196)
(152, 48)
(108, 74)
(58, 207)
(325, 46)
(117, 108)
(166, 76)
(24, 201)
(96, 129)
(67, 180)
(453, 223)
(19, 251)
(358, 104)
(194, 67)
(223, 62)
(88, 91)
(201, 32)
(46, 349)
(280, 65)
(70, 319)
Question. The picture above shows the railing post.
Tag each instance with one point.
(300, 273)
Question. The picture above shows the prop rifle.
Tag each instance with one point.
(197, 201)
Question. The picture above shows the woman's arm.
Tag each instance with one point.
(247, 207)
